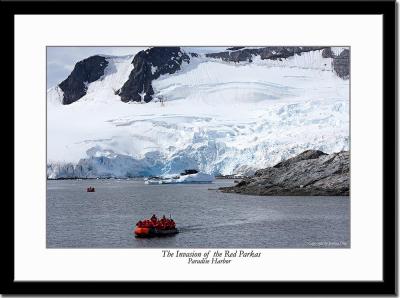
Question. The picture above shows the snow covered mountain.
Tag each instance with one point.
(163, 110)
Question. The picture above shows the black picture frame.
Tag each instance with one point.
(385, 8)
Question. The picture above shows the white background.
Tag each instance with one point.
(33, 33)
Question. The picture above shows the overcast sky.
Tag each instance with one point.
(61, 60)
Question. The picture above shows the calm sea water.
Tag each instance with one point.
(206, 218)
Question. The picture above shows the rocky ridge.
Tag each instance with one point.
(341, 62)
(149, 65)
(86, 71)
(311, 173)
(240, 54)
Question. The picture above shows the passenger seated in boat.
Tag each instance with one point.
(170, 225)
(159, 225)
(146, 223)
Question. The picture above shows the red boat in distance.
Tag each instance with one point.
(155, 227)
(90, 189)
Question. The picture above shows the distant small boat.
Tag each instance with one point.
(90, 189)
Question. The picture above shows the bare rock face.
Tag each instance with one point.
(327, 53)
(308, 154)
(341, 64)
(86, 71)
(149, 65)
(239, 54)
(311, 173)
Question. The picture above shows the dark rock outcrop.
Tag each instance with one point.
(234, 48)
(341, 64)
(327, 53)
(308, 154)
(148, 66)
(239, 54)
(311, 173)
(86, 71)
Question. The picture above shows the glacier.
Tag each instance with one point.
(215, 116)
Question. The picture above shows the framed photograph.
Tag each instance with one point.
(189, 148)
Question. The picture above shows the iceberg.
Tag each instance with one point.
(181, 179)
